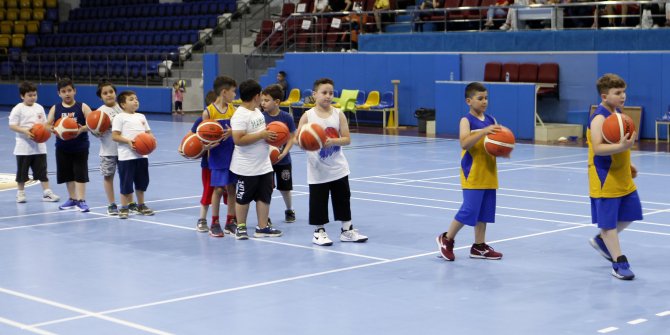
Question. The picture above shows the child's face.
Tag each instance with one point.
(280, 77)
(67, 94)
(323, 95)
(132, 104)
(29, 98)
(108, 96)
(478, 102)
(615, 97)
(228, 94)
(268, 104)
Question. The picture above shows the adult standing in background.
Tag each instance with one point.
(281, 81)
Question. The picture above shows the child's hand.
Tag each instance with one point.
(628, 140)
(270, 136)
(95, 133)
(633, 171)
(131, 144)
(208, 146)
(28, 133)
(492, 129)
(329, 142)
(227, 132)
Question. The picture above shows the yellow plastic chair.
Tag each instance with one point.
(12, 14)
(6, 27)
(347, 102)
(38, 14)
(12, 3)
(25, 14)
(33, 27)
(19, 27)
(3, 12)
(52, 3)
(5, 41)
(25, 4)
(371, 102)
(38, 3)
(293, 97)
(17, 40)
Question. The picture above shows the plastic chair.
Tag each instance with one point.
(293, 97)
(347, 102)
(371, 102)
(492, 71)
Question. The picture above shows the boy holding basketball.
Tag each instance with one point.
(251, 162)
(29, 154)
(614, 199)
(270, 99)
(479, 178)
(133, 167)
(71, 155)
(109, 155)
(328, 169)
(221, 179)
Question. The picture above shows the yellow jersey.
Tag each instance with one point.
(479, 170)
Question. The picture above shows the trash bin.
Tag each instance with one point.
(422, 115)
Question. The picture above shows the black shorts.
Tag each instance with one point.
(284, 177)
(71, 166)
(341, 200)
(36, 163)
(258, 188)
(134, 172)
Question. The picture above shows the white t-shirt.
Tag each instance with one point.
(327, 164)
(130, 125)
(25, 117)
(107, 146)
(252, 159)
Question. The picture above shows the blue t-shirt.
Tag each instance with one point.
(221, 155)
(286, 119)
(79, 143)
(203, 160)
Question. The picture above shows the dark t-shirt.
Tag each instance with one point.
(286, 119)
(337, 5)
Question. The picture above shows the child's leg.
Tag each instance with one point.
(611, 239)
(126, 199)
(287, 199)
(140, 197)
(480, 233)
(230, 189)
(216, 202)
(454, 228)
(241, 211)
(22, 186)
(108, 183)
(71, 190)
(341, 201)
(203, 211)
(262, 213)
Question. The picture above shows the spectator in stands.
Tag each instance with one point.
(428, 5)
(339, 5)
(321, 6)
(281, 81)
(575, 13)
(378, 7)
(493, 11)
(356, 20)
(510, 23)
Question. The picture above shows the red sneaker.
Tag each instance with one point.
(486, 253)
(446, 247)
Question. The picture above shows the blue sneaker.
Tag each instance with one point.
(82, 206)
(598, 244)
(69, 204)
(621, 269)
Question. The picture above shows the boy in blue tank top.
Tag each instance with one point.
(479, 178)
(71, 155)
(614, 199)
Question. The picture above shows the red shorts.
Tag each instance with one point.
(207, 190)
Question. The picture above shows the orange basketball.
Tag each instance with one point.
(66, 128)
(311, 137)
(210, 131)
(616, 126)
(274, 154)
(98, 121)
(191, 146)
(499, 144)
(145, 143)
(282, 133)
(40, 133)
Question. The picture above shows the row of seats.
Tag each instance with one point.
(28, 3)
(105, 53)
(160, 10)
(323, 35)
(124, 38)
(19, 27)
(23, 14)
(112, 70)
(111, 3)
(96, 26)
(544, 73)
(14, 41)
(363, 101)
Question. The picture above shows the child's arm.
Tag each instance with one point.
(116, 137)
(50, 118)
(600, 148)
(241, 138)
(83, 127)
(205, 114)
(344, 138)
(302, 122)
(21, 130)
(469, 138)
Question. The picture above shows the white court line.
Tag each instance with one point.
(289, 279)
(81, 311)
(23, 326)
(607, 330)
(320, 249)
(636, 321)
(50, 223)
(666, 313)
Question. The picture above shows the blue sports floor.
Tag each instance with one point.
(65, 272)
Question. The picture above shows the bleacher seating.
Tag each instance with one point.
(545, 75)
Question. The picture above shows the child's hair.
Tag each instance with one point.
(64, 82)
(609, 81)
(223, 83)
(249, 89)
(102, 84)
(323, 81)
(210, 97)
(275, 91)
(123, 96)
(25, 87)
(474, 88)
(282, 73)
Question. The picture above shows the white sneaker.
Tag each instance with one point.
(49, 196)
(321, 238)
(505, 27)
(352, 235)
(20, 197)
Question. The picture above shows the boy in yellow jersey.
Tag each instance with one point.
(479, 178)
(614, 199)
(220, 156)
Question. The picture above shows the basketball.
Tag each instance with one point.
(191, 146)
(282, 133)
(311, 137)
(144, 143)
(274, 154)
(210, 131)
(98, 121)
(499, 144)
(616, 126)
(40, 133)
(66, 128)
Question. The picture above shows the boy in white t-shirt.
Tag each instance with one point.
(29, 154)
(109, 155)
(133, 167)
(251, 162)
(328, 169)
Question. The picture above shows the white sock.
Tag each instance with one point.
(346, 225)
(320, 227)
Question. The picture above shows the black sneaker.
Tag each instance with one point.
(132, 208)
(241, 232)
(145, 210)
(112, 209)
(123, 213)
(289, 215)
(268, 231)
(215, 230)
(202, 226)
(231, 227)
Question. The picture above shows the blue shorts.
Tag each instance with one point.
(478, 206)
(607, 212)
(134, 171)
(222, 177)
